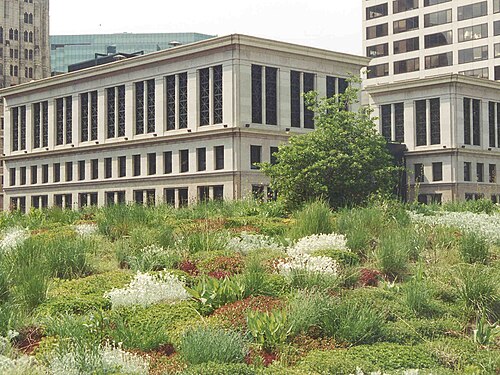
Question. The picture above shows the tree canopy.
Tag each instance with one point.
(344, 160)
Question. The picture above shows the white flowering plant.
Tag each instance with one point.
(12, 238)
(147, 289)
(318, 242)
(246, 243)
(86, 229)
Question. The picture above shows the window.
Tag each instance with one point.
(64, 120)
(407, 66)
(492, 170)
(478, 73)
(81, 170)
(111, 109)
(467, 121)
(496, 28)
(386, 119)
(308, 86)
(18, 128)
(437, 171)
(122, 166)
(472, 54)
(476, 122)
(169, 196)
(184, 161)
(215, 114)
(108, 167)
(34, 174)
(496, 6)
(438, 39)
(136, 165)
(203, 193)
(255, 156)
(270, 87)
(183, 197)
(151, 164)
(497, 50)
(378, 50)
(86, 199)
(204, 90)
(434, 2)
(272, 152)
(375, 71)
(480, 172)
(497, 72)
(88, 116)
(201, 159)
(22, 175)
(171, 95)
(217, 94)
(94, 165)
(167, 162)
(404, 5)
(437, 18)
(376, 11)
(45, 173)
(407, 24)
(295, 98)
(218, 192)
(377, 31)
(406, 45)
(12, 177)
(257, 94)
(473, 32)
(467, 171)
(473, 10)
(387, 122)
(421, 122)
(435, 114)
(56, 172)
(439, 60)
(399, 119)
(145, 106)
(219, 157)
(69, 171)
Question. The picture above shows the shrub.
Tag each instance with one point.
(247, 243)
(211, 368)
(206, 344)
(269, 330)
(211, 293)
(473, 248)
(314, 218)
(67, 256)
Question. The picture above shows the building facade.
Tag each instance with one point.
(173, 126)
(24, 48)
(409, 39)
(66, 50)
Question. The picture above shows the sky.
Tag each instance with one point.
(332, 24)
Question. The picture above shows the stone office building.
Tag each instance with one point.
(175, 126)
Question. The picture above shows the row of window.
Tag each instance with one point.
(465, 12)
(14, 35)
(437, 172)
(436, 198)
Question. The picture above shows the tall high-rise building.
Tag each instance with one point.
(409, 39)
(432, 85)
(24, 48)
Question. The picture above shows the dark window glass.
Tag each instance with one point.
(480, 172)
(108, 167)
(491, 124)
(57, 172)
(467, 171)
(183, 197)
(121, 111)
(122, 166)
(201, 159)
(435, 113)
(434, 2)
(136, 164)
(330, 86)
(12, 177)
(93, 115)
(139, 108)
(138, 196)
(476, 122)
(377, 31)
(23, 127)
(219, 157)
(257, 94)
(81, 170)
(399, 119)
(69, 119)
(467, 121)
(69, 171)
(473, 54)
(170, 197)
(34, 174)
(218, 94)
(407, 66)
(376, 11)
(386, 120)
(15, 129)
(496, 28)
(255, 156)
(271, 96)
(95, 169)
(473, 32)
(45, 173)
(45, 123)
(378, 50)
(438, 18)
(406, 45)
(472, 11)
(151, 105)
(184, 160)
(204, 87)
(151, 164)
(183, 101)
(380, 70)
(437, 171)
(203, 193)
(167, 162)
(295, 98)
(438, 39)
(36, 125)
(218, 192)
(492, 171)
(59, 121)
(171, 95)
(308, 114)
(111, 100)
(407, 24)
(22, 173)
(273, 151)
(84, 117)
(421, 122)
(404, 5)
(439, 60)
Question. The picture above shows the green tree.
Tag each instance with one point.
(344, 160)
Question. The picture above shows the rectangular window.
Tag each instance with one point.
(122, 166)
(377, 31)
(476, 122)
(492, 170)
(151, 113)
(378, 50)
(69, 171)
(183, 197)
(111, 109)
(496, 28)
(255, 156)
(496, 6)
(434, 2)
(295, 98)
(59, 121)
(330, 86)
(121, 111)
(218, 94)
(375, 71)
(439, 60)
(151, 163)
(308, 85)
(34, 174)
(203, 193)
(467, 121)
(399, 119)
(36, 125)
(467, 171)
(376, 11)
(108, 167)
(139, 196)
(478, 73)
(81, 170)
(12, 177)
(437, 18)
(257, 94)
(438, 39)
(93, 115)
(15, 128)
(407, 66)
(421, 122)
(219, 157)
(386, 121)
(183, 101)
(84, 117)
(94, 164)
(271, 96)
(437, 171)
(171, 101)
(272, 152)
(473, 32)
(136, 165)
(480, 172)
(435, 113)
(57, 172)
(23, 127)
(184, 161)
(404, 5)
(473, 10)
(407, 24)
(45, 124)
(45, 173)
(472, 54)
(201, 159)
(167, 162)
(170, 197)
(22, 175)
(406, 45)
(204, 99)
(139, 107)
(491, 124)
(218, 192)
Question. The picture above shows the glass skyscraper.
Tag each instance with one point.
(66, 50)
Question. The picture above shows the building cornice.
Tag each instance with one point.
(454, 152)
(224, 42)
(420, 83)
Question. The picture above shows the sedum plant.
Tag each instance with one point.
(269, 330)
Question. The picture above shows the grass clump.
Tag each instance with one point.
(473, 248)
(314, 218)
(392, 255)
(205, 344)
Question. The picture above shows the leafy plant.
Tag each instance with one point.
(211, 293)
(417, 293)
(204, 344)
(485, 333)
(269, 330)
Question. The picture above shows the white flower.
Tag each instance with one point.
(87, 229)
(247, 243)
(146, 290)
(115, 359)
(308, 263)
(12, 238)
(19, 366)
(316, 242)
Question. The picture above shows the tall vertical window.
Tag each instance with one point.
(94, 169)
(476, 122)
(330, 86)
(122, 166)
(257, 94)
(218, 94)
(295, 98)
(255, 156)
(56, 172)
(421, 122)
(167, 162)
(69, 171)
(273, 150)
(204, 90)
(480, 172)
(111, 107)
(59, 121)
(211, 95)
(467, 121)
(81, 170)
(68, 119)
(183, 101)
(151, 163)
(491, 124)
(467, 171)
(271, 96)
(37, 129)
(93, 115)
(15, 128)
(12, 176)
(151, 105)
(45, 124)
(492, 171)
(145, 107)
(88, 116)
(136, 164)
(121, 111)
(171, 102)
(184, 161)
(399, 122)
(45, 173)
(270, 93)
(201, 159)
(22, 176)
(386, 120)
(308, 85)
(64, 120)
(219, 157)
(108, 167)
(435, 115)
(437, 171)
(22, 126)
(139, 108)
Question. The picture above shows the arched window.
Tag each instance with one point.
(26, 19)
(31, 54)
(25, 36)
(26, 72)
(11, 34)
(31, 36)
(26, 54)
(16, 34)
(30, 73)
(31, 18)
